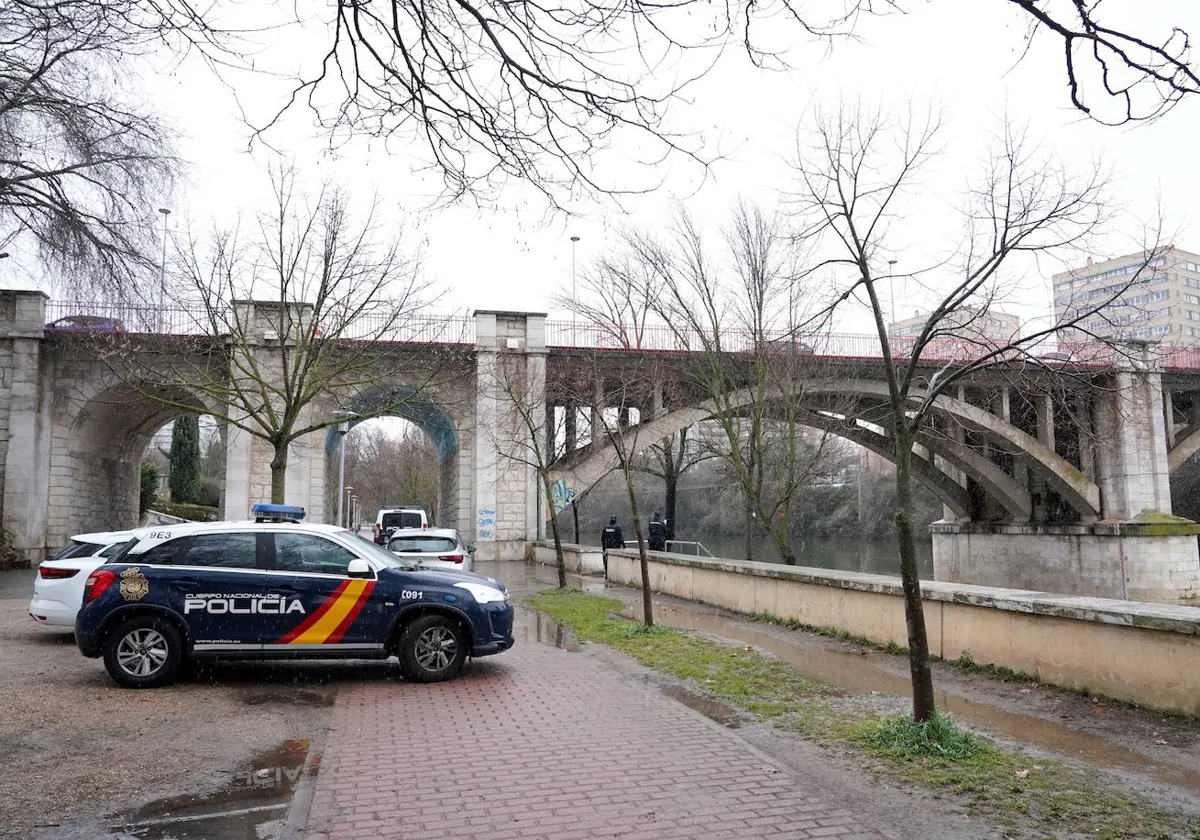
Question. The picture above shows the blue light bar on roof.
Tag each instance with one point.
(277, 513)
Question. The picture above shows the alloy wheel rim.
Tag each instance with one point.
(142, 652)
(436, 649)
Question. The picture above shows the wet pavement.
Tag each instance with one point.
(578, 702)
(253, 804)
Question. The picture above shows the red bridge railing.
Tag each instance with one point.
(566, 335)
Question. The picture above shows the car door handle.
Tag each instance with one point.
(284, 590)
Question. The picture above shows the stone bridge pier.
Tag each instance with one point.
(1130, 546)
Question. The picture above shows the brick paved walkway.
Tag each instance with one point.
(542, 743)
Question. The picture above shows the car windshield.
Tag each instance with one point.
(403, 519)
(77, 549)
(381, 554)
(423, 543)
(112, 550)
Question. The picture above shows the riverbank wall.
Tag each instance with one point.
(1143, 653)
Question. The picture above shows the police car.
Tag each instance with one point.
(278, 588)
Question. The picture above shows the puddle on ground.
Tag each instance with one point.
(289, 696)
(722, 713)
(854, 672)
(532, 626)
(252, 806)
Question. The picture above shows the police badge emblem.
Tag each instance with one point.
(134, 585)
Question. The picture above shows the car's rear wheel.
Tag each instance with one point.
(143, 652)
(432, 649)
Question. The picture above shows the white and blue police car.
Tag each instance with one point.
(281, 588)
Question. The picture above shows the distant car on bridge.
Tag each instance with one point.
(85, 324)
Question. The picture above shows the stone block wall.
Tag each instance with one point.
(1107, 561)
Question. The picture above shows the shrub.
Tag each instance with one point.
(149, 486)
(193, 513)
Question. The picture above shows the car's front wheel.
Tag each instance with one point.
(433, 648)
(143, 652)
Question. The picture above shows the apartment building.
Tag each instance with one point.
(970, 322)
(1157, 299)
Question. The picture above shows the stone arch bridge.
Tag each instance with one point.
(1045, 486)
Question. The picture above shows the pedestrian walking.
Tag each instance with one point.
(657, 533)
(610, 538)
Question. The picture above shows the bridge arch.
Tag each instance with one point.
(1186, 445)
(431, 417)
(96, 453)
(1077, 491)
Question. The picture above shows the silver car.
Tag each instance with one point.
(433, 548)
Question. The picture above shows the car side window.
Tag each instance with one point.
(309, 553)
(162, 554)
(227, 551)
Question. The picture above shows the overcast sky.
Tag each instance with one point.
(959, 56)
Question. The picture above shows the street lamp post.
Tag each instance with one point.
(162, 272)
(892, 292)
(574, 292)
(349, 497)
(343, 428)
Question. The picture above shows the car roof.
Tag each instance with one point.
(104, 537)
(427, 532)
(155, 534)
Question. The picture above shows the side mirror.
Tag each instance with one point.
(358, 568)
(470, 548)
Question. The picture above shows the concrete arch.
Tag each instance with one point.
(949, 492)
(996, 483)
(1076, 489)
(96, 454)
(429, 416)
(1185, 447)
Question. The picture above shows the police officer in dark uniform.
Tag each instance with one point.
(658, 533)
(611, 536)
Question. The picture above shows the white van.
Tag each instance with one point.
(391, 517)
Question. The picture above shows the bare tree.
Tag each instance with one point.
(303, 314)
(529, 438)
(384, 468)
(527, 91)
(855, 171)
(82, 162)
(625, 392)
(740, 318)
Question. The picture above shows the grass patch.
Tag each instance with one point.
(904, 738)
(829, 632)
(1030, 797)
(746, 678)
(967, 664)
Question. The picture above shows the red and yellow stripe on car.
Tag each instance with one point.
(330, 621)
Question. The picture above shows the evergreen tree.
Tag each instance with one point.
(185, 459)
(149, 486)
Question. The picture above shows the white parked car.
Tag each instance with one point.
(433, 548)
(58, 587)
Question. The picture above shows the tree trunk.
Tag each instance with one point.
(279, 465)
(749, 534)
(644, 563)
(671, 496)
(560, 560)
(575, 516)
(914, 608)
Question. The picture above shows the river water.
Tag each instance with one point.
(848, 555)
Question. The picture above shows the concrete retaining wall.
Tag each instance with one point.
(1129, 560)
(580, 559)
(1143, 653)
